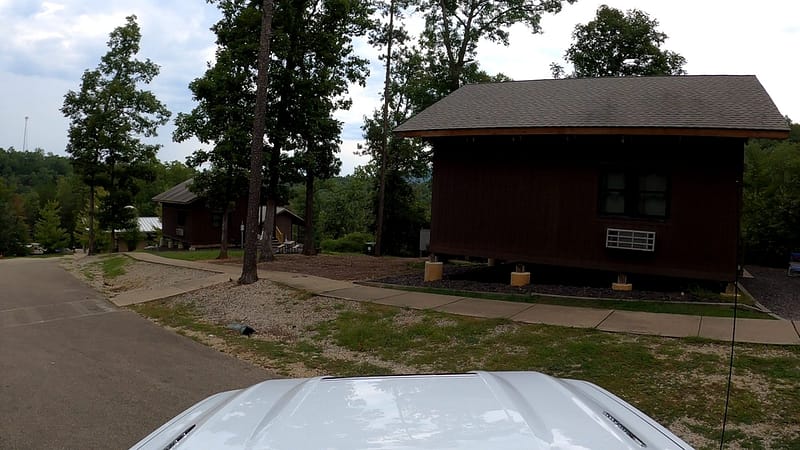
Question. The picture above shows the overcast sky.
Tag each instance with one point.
(46, 46)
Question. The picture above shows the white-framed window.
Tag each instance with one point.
(634, 193)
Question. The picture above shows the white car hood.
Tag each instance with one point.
(480, 410)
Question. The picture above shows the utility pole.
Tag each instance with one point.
(25, 136)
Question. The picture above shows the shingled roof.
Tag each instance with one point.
(178, 194)
(713, 105)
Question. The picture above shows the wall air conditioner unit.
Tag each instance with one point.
(644, 241)
(178, 231)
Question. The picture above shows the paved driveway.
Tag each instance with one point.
(77, 372)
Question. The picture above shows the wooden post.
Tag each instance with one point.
(520, 277)
(622, 283)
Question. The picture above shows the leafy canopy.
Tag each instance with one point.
(453, 29)
(109, 116)
(617, 44)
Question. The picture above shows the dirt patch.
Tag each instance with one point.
(341, 267)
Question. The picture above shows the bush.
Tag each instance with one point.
(350, 243)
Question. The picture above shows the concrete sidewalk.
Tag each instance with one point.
(758, 331)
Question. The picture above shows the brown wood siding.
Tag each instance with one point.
(535, 199)
(284, 223)
(199, 229)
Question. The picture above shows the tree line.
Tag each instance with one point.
(44, 200)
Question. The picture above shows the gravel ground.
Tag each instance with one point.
(138, 275)
(281, 315)
(278, 314)
(773, 289)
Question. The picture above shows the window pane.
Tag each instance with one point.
(653, 205)
(653, 183)
(614, 203)
(615, 181)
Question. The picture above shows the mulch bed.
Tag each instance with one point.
(560, 281)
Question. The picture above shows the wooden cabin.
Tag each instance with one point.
(188, 221)
(635, 175)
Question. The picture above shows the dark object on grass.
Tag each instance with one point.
(242, 329)
(794, 264)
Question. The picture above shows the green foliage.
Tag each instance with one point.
(33, 171)
(771, 213)
(102, 240)
(13, 229)
(225, 99)
(343, 204)
(48, 230)
(108, 117)
(165, 176)
(405, 214)
(132, 235)
(350, 243)
(33, 177)
(71, 195)
(454, 28)
(620, 44)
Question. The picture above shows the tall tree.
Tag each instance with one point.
(313, 63)
(220, 119)
(453, 29)
(395, 160)
(386, 37)
(71, 196)
(48, 230)
(617, 44)
(109, 116)
(327, 66)
(771, 199)
(250, 263)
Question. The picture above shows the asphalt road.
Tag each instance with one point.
(77, 372)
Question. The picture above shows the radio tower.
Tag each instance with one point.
(25, 136)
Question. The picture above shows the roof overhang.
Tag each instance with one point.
(599, 131)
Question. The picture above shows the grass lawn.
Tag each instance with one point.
(625, 305)
(113, 266)
(679, 382)
(197, 255)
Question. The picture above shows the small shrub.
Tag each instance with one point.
(350, 243)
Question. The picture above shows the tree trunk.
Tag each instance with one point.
(385, 137)
(250, 260)
(309, 249)
(91, 220)
(223, 241)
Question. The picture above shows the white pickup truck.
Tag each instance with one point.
(477, 410)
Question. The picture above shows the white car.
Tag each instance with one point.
(477, 410)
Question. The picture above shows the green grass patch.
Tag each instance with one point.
(676, 381)
(670, 379)
(113, 266)
(197, 255)
(417, 265)
(624, 305)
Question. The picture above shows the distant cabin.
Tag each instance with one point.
(631, 175)
(189, 222)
